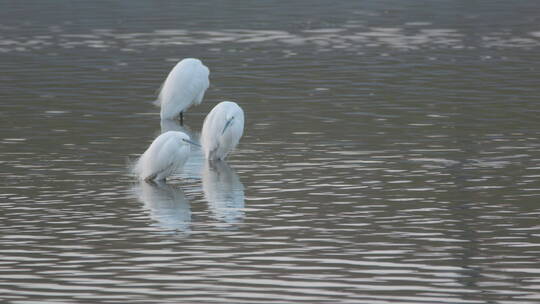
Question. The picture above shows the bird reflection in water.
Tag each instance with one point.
(223, 191)
(167, 204)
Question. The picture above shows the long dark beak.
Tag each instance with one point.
(192, 142)
(229, 122)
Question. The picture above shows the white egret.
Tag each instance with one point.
(222, 130)
(193, 166)
(185, 85)
(167, 153)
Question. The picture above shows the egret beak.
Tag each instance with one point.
(229, 122)
(192, 142)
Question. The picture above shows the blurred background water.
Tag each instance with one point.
(391, 153)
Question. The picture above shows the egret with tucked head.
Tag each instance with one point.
(185, 85)
(222, 130)
(167, 154)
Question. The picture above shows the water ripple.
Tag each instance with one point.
(323, 40)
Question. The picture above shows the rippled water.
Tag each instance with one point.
(391, 153)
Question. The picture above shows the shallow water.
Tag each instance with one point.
(391, 153)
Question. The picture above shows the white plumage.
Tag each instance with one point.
(167, 153)
(185, 85)
(222, 130)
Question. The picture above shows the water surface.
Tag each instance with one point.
(391, 153)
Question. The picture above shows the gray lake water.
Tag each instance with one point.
(391, 153)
